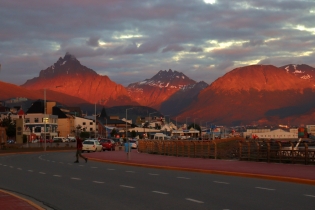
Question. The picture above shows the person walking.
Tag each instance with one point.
(79, 151)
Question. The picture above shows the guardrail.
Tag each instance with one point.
(282, 152)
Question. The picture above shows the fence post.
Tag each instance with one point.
(215, 150)
(240, 150)
(268, 152)
(248, 150)
(306, 153)
(280, 150)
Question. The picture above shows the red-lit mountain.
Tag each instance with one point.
(302, 71)
(258, 93)
(68, 76)
(9, 91)
(152, 92)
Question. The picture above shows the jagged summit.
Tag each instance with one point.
(302, 71)
(165, 79)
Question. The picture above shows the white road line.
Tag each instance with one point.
(313, 196)
(42, 172)
(11, 167)
(111, 169)
(75, 178)
(221, 182)
(126, 186)
(98, 182)
(57, 175)
(163, 193)
(4, 165)
(193, 200)
(262, 188)
(130, 171)
(30, 170)
(179, 177)
(154, 174)
(52, 161)
(19, 169)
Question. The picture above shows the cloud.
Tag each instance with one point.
(139, 38)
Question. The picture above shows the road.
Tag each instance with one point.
(53, 179)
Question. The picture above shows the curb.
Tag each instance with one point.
(24, 199)
(227, 173)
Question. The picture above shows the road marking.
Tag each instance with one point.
(193, 200)
(11, 166)
(221, 182)
(75, 178)
(126, 186)
(111, 169)
(61, 162)
(42, 172)
(52, 161)
(179, 177)
(4, 165)
(163, 193)
(130, 171)
(57, 175)
(30, 170)
(154, 174)
(313, 196)
(19, 169)
(98, 182)
(262, 188)
(81, 165)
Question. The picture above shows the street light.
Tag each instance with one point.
(150, 122)
(45, 118)
(186, 122)
(95, 121)
(195, 123)
(126, 135)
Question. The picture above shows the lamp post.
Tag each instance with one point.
(126, 135)
(186, 123)
(45, 119)
(95, 120)
(150, 122)
(195, 123)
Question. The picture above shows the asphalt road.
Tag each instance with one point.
(53, 179)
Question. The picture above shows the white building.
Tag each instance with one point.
(276, 134)
(85, 125)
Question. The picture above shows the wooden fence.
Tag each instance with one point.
(261, 151)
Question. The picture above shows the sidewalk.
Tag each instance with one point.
(275, 171)
(10, 201)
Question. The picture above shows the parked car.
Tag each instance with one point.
(71, 139)
(60, 139)
(91, 145)
(108, 144)
(10, 141)
(133, 144)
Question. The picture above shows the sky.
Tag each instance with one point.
(131, 40)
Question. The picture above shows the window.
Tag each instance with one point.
(91, 123)
(91, 129)
(36, 120)
(27, 120)
(83, 123)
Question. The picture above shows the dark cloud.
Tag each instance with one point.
(173, 48)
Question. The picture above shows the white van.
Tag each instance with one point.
(60, 139)
(161, 136)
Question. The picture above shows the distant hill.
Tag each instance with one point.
(263, 94)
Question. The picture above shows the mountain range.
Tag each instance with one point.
(256, 94)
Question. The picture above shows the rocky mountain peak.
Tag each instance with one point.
(302, 71)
